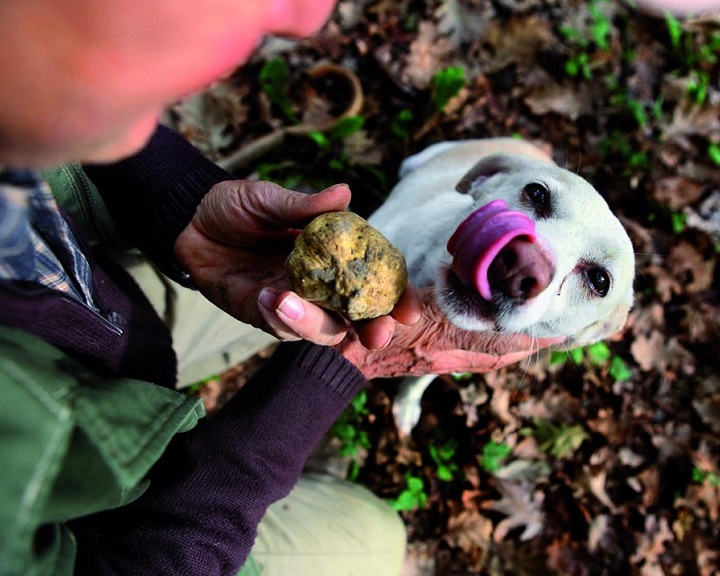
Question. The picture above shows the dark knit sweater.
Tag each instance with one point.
(212, 486)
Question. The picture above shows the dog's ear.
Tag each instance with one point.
(489, 167)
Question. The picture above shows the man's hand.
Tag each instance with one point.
(235, 249)
(434, 346)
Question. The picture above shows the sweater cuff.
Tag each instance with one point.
(325, 363)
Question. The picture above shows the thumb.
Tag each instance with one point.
(240, 210)
(297, 209)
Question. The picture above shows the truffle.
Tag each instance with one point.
(342, 263)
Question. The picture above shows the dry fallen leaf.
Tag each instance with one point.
(471, 532)
(677, 192)
(651, 546)
(687, 264)
(564, 99)
(522, 504)
(518, 41)
(427, 56)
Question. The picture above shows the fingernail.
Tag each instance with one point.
(267, 298)
(388, 339)
(292, 307)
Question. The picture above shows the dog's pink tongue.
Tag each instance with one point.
(481, 237)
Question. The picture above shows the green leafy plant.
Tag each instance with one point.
(600, 26)
(698, 50)
(701, 476)
(559, 441)
(446, 84)
(442, 456)
(273, 79)
(598, 354)
(349, 429)
(619, 144)
(679, 221)
(699, 86)
(579, 64)
(402, 122)
(195, 388)
(619, 370)
(493, 455)
(675, 30)
(412, 497)
(714, 153)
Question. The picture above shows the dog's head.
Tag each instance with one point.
(539, 252)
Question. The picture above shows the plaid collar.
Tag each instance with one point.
(36, 244)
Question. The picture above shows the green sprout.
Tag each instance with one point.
(400, 125)
(679, 221)
(348, 428)
(446, 84)
(675, 30)
(600, 31)
(714, 153)
(598, 354)
(493, 455)
(618, 143)
(619, 370)
(579, 66)
(701, 476)
(273, 79)
(412, 497)
(697, 51)
(600, 26)
(442, 456)
(195, 388)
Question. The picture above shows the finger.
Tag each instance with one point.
(239, 211)
(375, 334)
(291, 316)
(335, 198)
(266, 307)
(408, 309)
(271, 204)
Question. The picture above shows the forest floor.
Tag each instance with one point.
(603, 461)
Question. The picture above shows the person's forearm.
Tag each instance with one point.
(214, 483)
(153, 195)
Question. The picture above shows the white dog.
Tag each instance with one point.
(511, 242)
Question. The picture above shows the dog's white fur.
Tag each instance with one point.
(443, 184)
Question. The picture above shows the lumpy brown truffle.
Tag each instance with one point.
(342, 263)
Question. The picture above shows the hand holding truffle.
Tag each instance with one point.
(235, 250)
(342, 263)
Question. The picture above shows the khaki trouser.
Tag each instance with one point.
(326, 526)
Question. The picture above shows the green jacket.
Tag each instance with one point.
(72, 442)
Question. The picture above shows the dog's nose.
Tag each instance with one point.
(521, 270)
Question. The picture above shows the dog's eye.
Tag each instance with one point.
(599, 281)
(539, 198)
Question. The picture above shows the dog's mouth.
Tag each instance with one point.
(496, 256)
(463, 302)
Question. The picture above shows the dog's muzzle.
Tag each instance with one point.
(495, 250)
